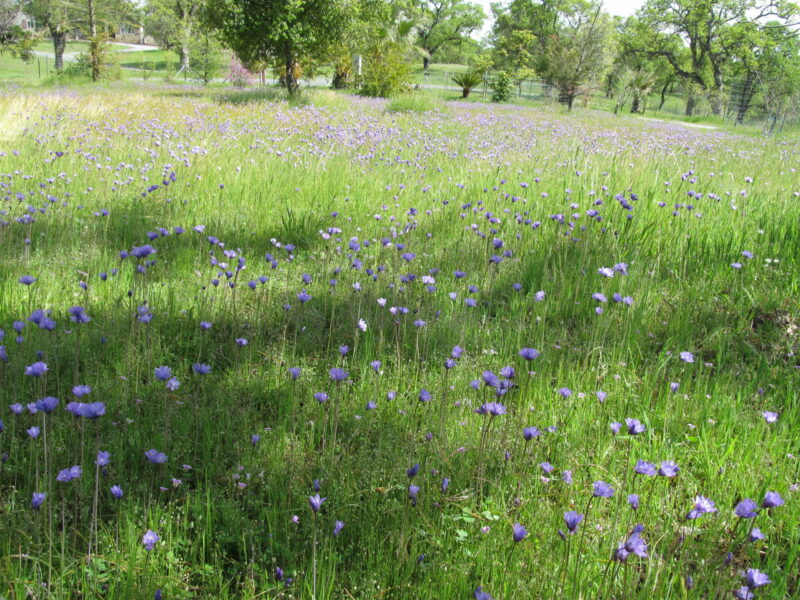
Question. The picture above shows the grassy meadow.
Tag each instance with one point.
(424, 350)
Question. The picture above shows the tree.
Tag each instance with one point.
(285, 30)
(770, 67)
(174, 24)
(714, 31)
(388, 35)
(446, 23)
(579, 54)
(522, 30)
(59, 17)
(98, 19)
(207, 55)
(12, 37)
(95, 19)
(636, 74)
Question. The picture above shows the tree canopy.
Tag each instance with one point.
(281, 30)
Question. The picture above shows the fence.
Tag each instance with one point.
(534, 90)
(751, 102)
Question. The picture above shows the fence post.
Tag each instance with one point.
(39, 66)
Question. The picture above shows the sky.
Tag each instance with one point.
(623, 8)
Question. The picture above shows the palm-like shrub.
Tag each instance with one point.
(468, 81)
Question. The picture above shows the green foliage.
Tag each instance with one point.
(206, 57)
(80, 70)
(386, 72)
(342, 68)
(579, 55)
(720, 36)
(15, 41)
(94, 19)
(502, 87)
(172, 22)
(468, 81)
(289, 31)
(447, 23)
(522, 29)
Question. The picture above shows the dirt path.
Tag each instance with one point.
(682, 123)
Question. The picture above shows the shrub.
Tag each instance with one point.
(502, 86)
(238, 74)
(468, 81)
(386, 72)
(81, 70)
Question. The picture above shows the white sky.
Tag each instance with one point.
(623, 8)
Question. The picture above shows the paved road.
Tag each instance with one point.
(115, 47)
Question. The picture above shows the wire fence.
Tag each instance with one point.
(749, 101)
(527, 89)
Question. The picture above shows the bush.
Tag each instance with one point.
(238, 75)
(468, 81)
(81, 70)
(386, 72)
(502, 86)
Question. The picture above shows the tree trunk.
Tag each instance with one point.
(690, 105)
(94, 41)
(465, 92)
(339, 81)
(292, 84)
(664, 94)
(716, 103)
(426, 61)
(570, 100)
(59, 44)
(635, 104)
(185, 57)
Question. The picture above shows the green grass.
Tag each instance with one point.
(354, 184)
(415, 103)
(16, 71)
(159, 60)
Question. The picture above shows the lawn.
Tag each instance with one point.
(429, 349)
(16, 71)
(159, 60)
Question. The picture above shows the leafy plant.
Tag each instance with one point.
(342, 69)
(81, 69)
(238, 74)
(386, 72)
(502, 84)
(207, 57)
(468, 81)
